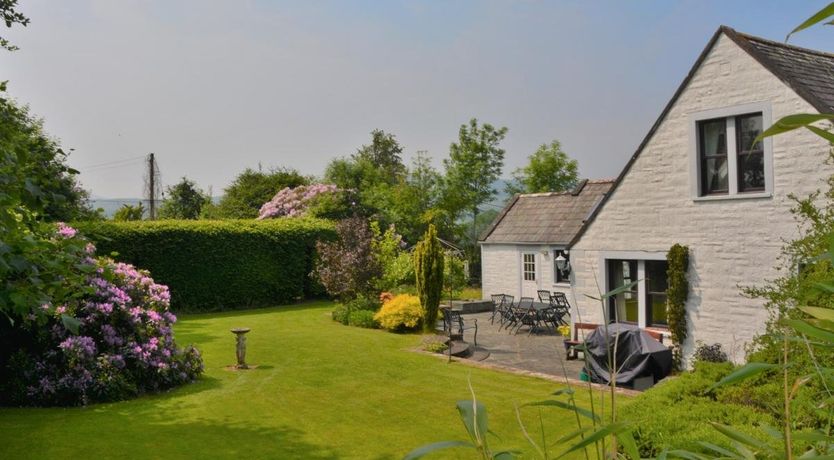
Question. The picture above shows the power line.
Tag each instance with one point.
(123, 160)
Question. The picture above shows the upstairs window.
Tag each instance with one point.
(751, 177)
(561, 276)
(729, 162)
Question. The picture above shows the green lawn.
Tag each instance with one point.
(321, 391)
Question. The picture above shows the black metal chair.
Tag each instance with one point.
(505, 310)
(561, 307)
(452, 320)
(497, 302)
(544, 296)
(520, 313)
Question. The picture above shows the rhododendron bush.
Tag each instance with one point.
(316, 200)
(110, 338)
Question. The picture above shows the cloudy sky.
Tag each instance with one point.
(214, 87)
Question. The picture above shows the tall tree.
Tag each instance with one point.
(250, 190)
(372, 173)
(10, 17)
(428, 270)
(549, 170)
(474, 164)
(413, 202)
(184, 201)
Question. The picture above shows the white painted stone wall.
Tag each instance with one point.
(732, 243)
(501, 269)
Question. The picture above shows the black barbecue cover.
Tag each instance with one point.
(638, 354)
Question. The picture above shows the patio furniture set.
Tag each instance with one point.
(552, 310)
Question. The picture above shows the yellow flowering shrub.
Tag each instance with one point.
(401, 312)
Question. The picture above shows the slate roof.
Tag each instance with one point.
(549, 218)
(809, 73)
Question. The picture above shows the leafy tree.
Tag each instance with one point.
(129, 213)
(373, 173)
(428, 267)
(474, 164)
(10, 17)
(250, 190)
(348, 267)
(184, 201)
(414, 202)
(35, 267)
(549, 170)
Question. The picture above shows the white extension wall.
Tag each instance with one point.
(733, 242)
(501, 269)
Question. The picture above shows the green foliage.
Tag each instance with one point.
(219, 265)
(363, 318)
(373, 172)
(676, 295)
(10, 16)
(397, 266)
(710, 353)
(454, 275)
(675, 413)
(401, 313)
(549, 170)
(128, 213)
(363, 303)
(436, 347)
(184, 201)
(250, 190)
(37, 185)
(341, 314)
(428, 267)
(474, 164)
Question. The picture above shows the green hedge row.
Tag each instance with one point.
(219, 265)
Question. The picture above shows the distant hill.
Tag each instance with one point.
(111, 205)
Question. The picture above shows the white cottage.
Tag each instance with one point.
(697, 179)
(520, 248)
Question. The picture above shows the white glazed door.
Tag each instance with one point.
(529, 274)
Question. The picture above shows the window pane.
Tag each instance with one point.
(748, 127)
(529, 267)
(714, 137)
(751, 172)
(656, 283)
(561, 276)
(624, 306)
(715, 174)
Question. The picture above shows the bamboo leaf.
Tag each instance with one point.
(429, 448)
(686, 455)
(827, 135)
(819, 313)
(621, 289)
(505, 455)
(742, 438)
(563, 391)
(813, 436)
(626, 439)
(474, 417)
(598, 435)
(579, 410)
(791, 122)
(818, 17)
(811, 331)
(718, 449)
(742, 373)
(824, 287)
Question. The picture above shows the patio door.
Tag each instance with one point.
(529, 275)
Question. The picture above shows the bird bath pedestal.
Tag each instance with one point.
(240, 333)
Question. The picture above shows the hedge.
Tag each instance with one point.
(219, 265)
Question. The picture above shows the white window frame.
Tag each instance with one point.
(524, 268)
(553, 254)
(641, 257)
(729, 113)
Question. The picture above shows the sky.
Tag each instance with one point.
(215, 87)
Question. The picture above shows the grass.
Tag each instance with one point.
(321, 391)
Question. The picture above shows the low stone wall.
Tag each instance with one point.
(472, 306)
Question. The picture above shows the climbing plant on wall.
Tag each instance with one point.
(676, 294)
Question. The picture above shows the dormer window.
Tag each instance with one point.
(727, 163)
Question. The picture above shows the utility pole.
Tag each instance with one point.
(151, 187)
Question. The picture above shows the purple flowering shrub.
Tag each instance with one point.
(120, 343)
(348, 267)
(316, 200)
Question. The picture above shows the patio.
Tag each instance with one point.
(541, 352)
